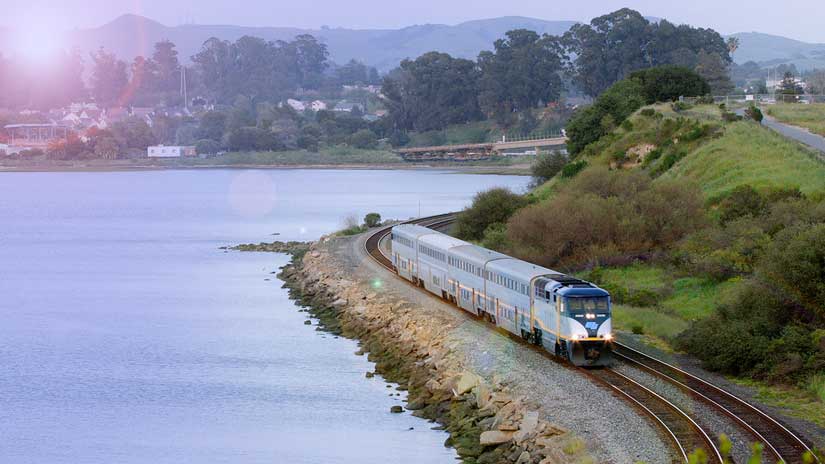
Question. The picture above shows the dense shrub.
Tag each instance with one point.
(207, 147)
(364, 138)
(742, 201)
(571, 169)
(754, 113)
(771, 326)
(546, 166)
(494, 206)
(605, 213)
(495, 237)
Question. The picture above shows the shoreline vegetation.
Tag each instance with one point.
(325, 159)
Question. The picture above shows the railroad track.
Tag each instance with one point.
(679, 427)
(779, 441)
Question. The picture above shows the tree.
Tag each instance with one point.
(212, 126)
(523, 72)
(608, 49)
(109, 79)
(207, 147)
(733, 44)
(614, 45)
(364, 139)
(816, 82)
(431, 92)
(790, 86)
(372, 220)
(669, 82)
(590, 123)
(546, 166)
(167, 67)
(133, 134)
(354, 72)
(713, 68)
(107, 148)
(142, 82)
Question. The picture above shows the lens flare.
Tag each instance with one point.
(252, 194)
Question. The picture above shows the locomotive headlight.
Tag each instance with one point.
(590, 316)
(608, 336)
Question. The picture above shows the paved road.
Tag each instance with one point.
(817, 142)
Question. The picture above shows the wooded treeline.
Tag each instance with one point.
(525, 70)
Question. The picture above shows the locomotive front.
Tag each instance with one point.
(587, 325)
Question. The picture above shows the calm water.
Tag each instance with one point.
(126, 336)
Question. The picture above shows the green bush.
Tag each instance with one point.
(742, 201)
(648, 112)
(207, 147)
(642, 298)
(637, 329)
(495, 237)
(754, 113)
(489, 207)
(571, 169)
(364, 138)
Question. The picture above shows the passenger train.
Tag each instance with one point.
(568, 317)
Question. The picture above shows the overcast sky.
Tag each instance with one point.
(799, 19)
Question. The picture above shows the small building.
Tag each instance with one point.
(317, 105)
(346, 107)
(296, 105)
(164, 151)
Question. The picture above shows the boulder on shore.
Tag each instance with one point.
(495, 437)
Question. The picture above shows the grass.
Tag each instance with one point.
(749, 154)
(329, 156)
(695, 298)
(679, 299)
(794, 401)
(811, 117)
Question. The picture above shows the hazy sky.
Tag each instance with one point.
(799, 19)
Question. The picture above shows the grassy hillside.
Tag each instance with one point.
(695, 144)
(749, 154)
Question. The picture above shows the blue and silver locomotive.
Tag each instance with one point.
(568, 317)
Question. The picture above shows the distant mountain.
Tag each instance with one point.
(132, 35)
(771, 50)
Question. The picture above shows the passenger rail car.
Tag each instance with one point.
(568, 317)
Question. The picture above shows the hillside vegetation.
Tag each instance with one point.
(708, 230)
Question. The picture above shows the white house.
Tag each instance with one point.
(296, 105)
(162, 151)
(318, 105)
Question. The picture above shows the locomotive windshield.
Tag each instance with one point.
(586, 304)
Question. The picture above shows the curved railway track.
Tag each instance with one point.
(779, 441)
(679, 427)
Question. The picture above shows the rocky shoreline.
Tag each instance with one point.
(292, 247)
(487, 423)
